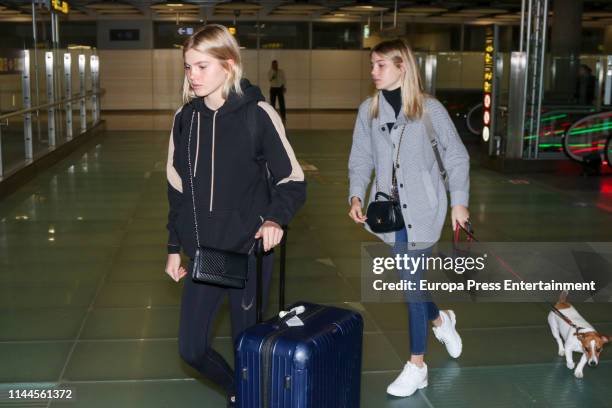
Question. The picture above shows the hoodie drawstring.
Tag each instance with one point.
(212, 162)
(195, 168)
(189, 141)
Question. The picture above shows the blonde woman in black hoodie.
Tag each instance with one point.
(234, 203)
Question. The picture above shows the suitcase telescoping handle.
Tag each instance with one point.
(283, 263)
(259, 253)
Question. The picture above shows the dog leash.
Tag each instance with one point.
(565, 318)
(469, 231)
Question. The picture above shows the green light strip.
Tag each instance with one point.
(554, 117)
(599, 128)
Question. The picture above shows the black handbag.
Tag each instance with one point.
(217, 267)
(210, 265)
(386, 215)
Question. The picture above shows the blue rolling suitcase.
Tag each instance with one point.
(282, 364)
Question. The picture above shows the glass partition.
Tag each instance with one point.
(339, 36)
(40, 108)
(275, 35)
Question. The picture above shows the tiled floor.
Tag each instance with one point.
(84, 300)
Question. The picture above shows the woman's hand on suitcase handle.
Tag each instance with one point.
(271, 233)
(174, 268)
(356, 213)
(459, 214)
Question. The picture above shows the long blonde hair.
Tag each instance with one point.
(399, 52)
(216, 40)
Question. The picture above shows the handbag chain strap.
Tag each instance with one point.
(395, 165)
(195, 217)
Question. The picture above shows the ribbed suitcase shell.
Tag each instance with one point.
(317, 365)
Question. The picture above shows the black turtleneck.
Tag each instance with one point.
(394, 97)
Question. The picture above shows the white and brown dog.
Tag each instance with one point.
(580, 337)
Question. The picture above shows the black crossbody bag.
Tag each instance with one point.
(210, 265)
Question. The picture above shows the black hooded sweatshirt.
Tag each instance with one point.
(229, 165)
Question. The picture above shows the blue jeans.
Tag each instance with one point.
(420, 312)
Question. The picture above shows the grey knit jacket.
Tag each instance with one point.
(421, 189)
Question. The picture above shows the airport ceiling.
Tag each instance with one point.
(596, 12)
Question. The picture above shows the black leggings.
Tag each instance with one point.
(199, 307)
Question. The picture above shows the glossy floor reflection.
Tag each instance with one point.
(84, 300)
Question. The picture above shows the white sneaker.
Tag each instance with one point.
(447, 334)
(411, 378)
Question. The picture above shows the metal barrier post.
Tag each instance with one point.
(516, 105)
(608, 85)
(95, 101)
(27, 103)
(82, 104)
(50, 98)
(68, 93)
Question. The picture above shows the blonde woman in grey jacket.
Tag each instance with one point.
(394, 118)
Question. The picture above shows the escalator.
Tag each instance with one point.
(575, 132)
(588, 140)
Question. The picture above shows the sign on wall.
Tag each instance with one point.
(489, 87)
(60, 6)
(185, 31)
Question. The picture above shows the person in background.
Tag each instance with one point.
(276, 76)
(585, 86)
